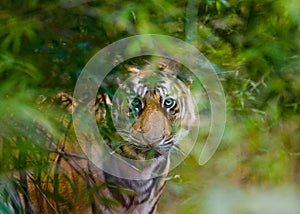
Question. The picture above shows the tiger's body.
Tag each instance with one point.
(91, 191)
(73, 184)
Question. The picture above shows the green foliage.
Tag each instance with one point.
(254, 46)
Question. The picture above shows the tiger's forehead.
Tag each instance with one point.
(151, 82)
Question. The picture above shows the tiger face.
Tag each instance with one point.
(154, 110)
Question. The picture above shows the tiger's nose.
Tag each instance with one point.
(157, 128)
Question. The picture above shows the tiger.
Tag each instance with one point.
(158, 113)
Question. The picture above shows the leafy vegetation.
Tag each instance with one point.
(254, 46)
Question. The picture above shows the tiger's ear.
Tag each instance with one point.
(186, 76)
(178, 70)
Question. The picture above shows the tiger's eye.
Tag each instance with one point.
(137, 104)
(169, 103)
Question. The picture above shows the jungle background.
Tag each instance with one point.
(254, 46)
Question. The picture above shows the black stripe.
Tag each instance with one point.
(157, 199)
(134, 185)
(114, 188)
(153, 207)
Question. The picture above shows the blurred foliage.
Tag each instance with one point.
(254, 46)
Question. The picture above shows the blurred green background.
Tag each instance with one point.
(254, 46)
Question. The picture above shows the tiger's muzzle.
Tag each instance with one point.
(153, 126)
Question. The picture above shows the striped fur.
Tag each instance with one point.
(158, 103)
